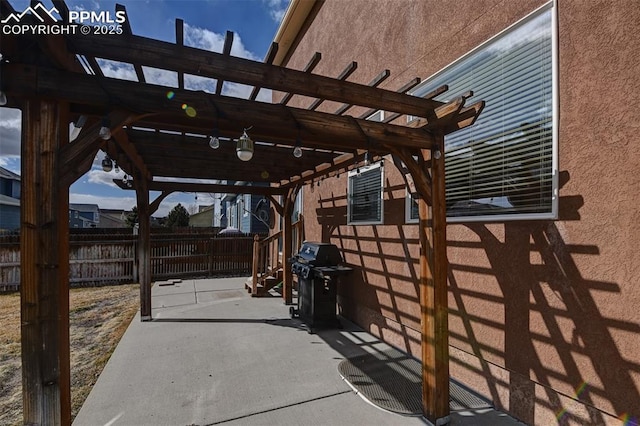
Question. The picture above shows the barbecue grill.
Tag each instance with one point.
(318, 267)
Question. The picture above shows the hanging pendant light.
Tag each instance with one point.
(105, 131)
(107, 164)
(244, 149)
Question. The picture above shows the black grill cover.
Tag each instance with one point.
(319, 254)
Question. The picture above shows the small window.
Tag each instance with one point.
(365, 194)
(412, 214)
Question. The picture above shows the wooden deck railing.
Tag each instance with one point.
(267, 253)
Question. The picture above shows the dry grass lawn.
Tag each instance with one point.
(99, 317)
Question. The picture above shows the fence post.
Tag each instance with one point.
(211, 256)
(256, 260)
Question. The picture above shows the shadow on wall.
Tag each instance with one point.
(553, 333)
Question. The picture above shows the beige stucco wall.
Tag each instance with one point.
(538, 309)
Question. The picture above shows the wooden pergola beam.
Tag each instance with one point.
(126, 28)
(338, 163)
(373, 83)
(226, 51)
(323, 128)
(343, 76)
(180, 42)
(76, 157)
(315, 60)
(271, 55)
(215, 188)
(404, 89)
(163, 55)
(122, 140)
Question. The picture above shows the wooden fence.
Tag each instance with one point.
(99, 259)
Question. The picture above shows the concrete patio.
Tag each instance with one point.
(214, 355)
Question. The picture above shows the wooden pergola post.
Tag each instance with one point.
(144, 245)
(44, 265)
(287, 242)
(433, 291)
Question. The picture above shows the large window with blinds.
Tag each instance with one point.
(505, 165)
(365, 195)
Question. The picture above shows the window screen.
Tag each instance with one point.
(503, 165)
(365, 195)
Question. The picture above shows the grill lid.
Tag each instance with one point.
(319, 254)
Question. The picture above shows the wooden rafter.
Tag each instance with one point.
(404, 89)
(226, 51)
(271, 55)
(343, 76)
(180, 42)
(374, 83)
(126, 28)
(169, 56)
(315, 60)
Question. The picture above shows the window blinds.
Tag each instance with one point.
(365, 196)
(503, 163)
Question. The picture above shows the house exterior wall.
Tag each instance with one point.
(544, 317)
(202, 219)
(9, 217)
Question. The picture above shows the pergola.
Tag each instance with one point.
(55, 79)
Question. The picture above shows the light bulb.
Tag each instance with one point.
(116, 168)
(244, 149)
(437, 154)
(297, 152)
(104, 133)
(107, 164)
(214, 142)
(3, 98)
(366, 158)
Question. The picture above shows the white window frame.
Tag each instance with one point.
(355, 172)
(246, 199)
(407, 209)
(377, 116)
(553, 215)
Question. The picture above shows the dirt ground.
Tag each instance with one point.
(99, 317)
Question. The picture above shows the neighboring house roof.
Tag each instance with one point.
(5, 200)
(110, 220)
(85, 207)
(8, 174)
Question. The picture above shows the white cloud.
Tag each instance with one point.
(123, 203)
(196, 82)
(161, 77)
(202, 38)
(118, 70)
(277, 9)
(100, 177)
(10, 124)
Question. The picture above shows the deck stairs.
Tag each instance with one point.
(265, 282)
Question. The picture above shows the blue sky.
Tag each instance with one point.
(254, 23)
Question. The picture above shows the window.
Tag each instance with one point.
(365, 195)
(411, 212)
(247, 204)
(505, 165)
